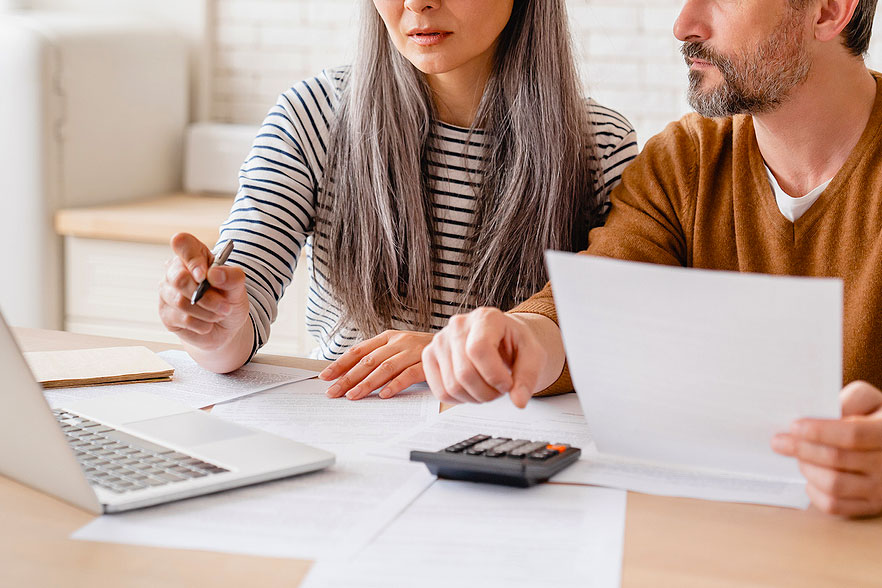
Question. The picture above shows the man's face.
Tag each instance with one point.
(744, 56)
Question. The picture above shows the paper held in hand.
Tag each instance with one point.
(90, 367)
(694, 371)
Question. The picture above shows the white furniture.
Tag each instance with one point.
(93, 110)
(115, 257)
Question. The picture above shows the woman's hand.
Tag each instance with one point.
(390, 360)
(220, 316)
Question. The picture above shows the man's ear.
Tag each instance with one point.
(831, 18)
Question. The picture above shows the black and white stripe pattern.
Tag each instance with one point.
(273, 216)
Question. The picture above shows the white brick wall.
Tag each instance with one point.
(628, 55)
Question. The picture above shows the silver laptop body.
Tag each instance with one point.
(130, 450)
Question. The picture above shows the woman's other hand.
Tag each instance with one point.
(391, 361)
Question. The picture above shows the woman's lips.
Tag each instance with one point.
(428, 38)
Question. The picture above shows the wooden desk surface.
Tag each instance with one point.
(148, 221)
(668, 542)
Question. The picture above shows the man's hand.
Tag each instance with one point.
(841, 459)
(391, 360)
(482, 355)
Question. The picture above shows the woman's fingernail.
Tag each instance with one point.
(198, 274)
(326, 373)
(333, 390)
(385, 393)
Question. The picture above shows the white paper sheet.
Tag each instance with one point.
(557, 419)
(338, 509)
(303, 412)
(697, 369)
(667, 480)
(463, 534)
(192, 385)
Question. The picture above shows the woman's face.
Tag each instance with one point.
(442, 36)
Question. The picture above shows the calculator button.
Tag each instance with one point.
(494, 453)
(557, 448)
(458, 447)
(474, 440)
(511, 445)
(525, 450)
(488, 444)
(541, 454)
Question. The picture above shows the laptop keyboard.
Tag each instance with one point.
(121, 463)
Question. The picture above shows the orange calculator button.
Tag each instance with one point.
(558, 448)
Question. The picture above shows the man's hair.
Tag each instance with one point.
(856, 35)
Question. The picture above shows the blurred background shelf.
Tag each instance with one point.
(115, 255)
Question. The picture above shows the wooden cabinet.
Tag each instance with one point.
(115, 256)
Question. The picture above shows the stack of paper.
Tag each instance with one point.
(373, 520)
(465, 534)
(337, 510)
(303, 412)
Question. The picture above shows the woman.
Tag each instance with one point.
(425, 181)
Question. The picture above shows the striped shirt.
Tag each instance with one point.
(273, 216)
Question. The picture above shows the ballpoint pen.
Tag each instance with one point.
(219, 260)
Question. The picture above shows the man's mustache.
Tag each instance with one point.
(691, 50)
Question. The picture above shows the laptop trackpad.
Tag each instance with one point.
(188, 429)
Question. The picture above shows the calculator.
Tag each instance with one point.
(499, 460)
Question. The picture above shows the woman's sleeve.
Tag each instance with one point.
(274, 210)
(615, 144)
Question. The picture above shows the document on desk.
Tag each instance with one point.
(192, 384)
(303, 412)
(560, 419)
(557, 419)
(465, 534)
(337, 510)
(691, 372)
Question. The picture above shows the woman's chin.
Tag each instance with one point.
(432, 66)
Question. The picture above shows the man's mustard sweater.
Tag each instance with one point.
(699, 196)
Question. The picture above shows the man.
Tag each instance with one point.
(780, 172)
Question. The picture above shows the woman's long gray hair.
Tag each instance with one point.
(374, 225)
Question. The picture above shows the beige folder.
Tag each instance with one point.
(91, 367)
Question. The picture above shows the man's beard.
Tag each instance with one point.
(753, 83)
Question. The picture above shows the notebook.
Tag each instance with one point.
(91, 367)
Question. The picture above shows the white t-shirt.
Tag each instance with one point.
(793, 208)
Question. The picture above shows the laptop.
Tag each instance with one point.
(130, 450)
